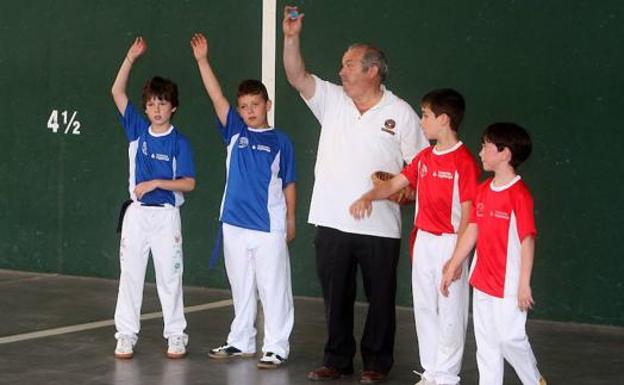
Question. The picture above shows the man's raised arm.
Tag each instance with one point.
(296, 73)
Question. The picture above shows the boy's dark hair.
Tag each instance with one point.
(252, 87)
(160, 88)
(446, 101)
(512, 136)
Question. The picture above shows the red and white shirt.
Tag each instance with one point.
(443, 180)
(504, 218)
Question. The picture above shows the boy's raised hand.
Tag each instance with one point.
(292, 22)
(138, 48)
(199, 43)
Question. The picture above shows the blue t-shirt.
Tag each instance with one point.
(167, 155)
(259, 164)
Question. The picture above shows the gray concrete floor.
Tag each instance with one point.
(567, 353)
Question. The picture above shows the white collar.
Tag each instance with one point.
(448, 150)
(259, 129)
(159, 134)
(506, 186)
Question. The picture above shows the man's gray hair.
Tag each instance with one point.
(373, 56)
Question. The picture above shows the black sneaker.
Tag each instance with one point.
(228, 351)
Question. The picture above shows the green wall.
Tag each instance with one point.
(554, 67)
(61, 193)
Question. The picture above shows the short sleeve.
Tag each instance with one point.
(325, 95)
(478, 200)
(413, 139)
(468, 171)
(133, 122)
(411, 170)
(184, 159)
(288, 171)
(524, 211)
(233, 125)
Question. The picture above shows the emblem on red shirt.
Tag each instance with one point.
(500, 214)
(480, 207)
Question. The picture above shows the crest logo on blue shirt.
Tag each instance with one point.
(144, 148)
(262, 147)
(243, 142)
(164, 157)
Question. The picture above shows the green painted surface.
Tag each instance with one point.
(554, 67)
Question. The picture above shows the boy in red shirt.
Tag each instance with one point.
(445, 178)
(502, 226)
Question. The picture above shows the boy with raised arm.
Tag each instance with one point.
(161, 169)
(257, 215)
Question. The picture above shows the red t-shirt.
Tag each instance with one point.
(443, 180)
(504, 217)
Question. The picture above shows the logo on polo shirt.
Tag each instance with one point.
(500, 214)
(480, 208)
(243, 142)
(261, 147)
(144, 148)
(422, 171)
(389, 126)
(442, 174)
(164, 157)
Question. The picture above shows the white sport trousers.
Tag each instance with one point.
(440, 321)
(155, 229)
(500, 335)
(258, 265)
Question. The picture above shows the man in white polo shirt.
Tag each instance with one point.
(364, 128)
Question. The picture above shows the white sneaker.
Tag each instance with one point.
(423, 380)
(177, 346)
(228, 351)
(125, 348)
(270, 360)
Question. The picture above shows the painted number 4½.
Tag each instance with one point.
(68, 123)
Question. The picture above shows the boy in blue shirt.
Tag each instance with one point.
(161, 169)
(258, 216)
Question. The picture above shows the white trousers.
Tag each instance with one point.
(500, 334)
(258, 264)
(155, 229)
(440, 321)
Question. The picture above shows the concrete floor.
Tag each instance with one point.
(567, 353)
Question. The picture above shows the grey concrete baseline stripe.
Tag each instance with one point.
(102, 324)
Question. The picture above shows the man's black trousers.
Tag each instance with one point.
(338, 254)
